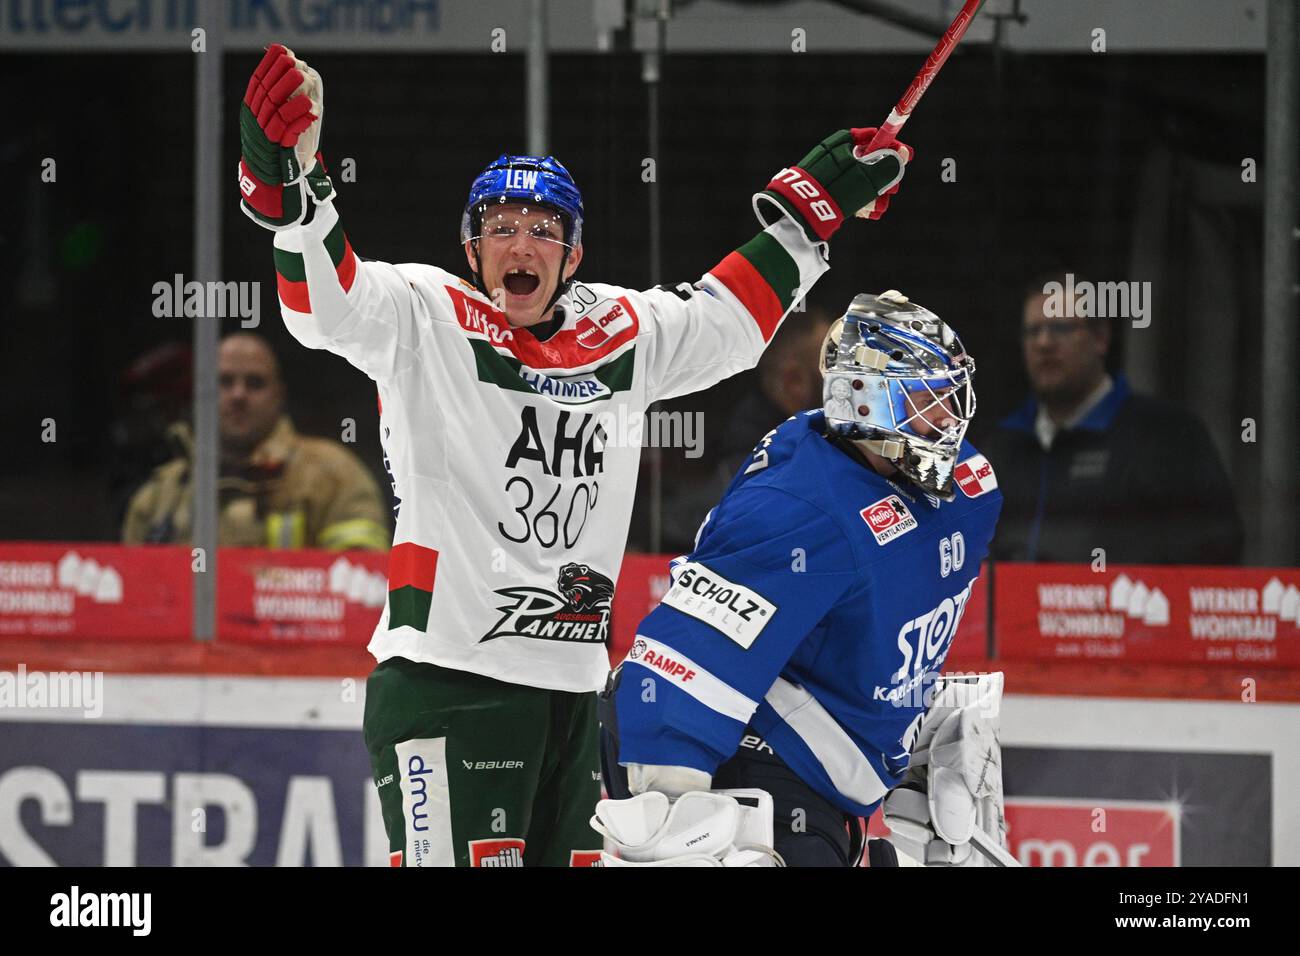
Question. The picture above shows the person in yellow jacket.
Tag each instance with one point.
(276, 488)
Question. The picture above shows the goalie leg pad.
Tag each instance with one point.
(728, 828)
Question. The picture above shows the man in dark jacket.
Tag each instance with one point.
(1086, 463)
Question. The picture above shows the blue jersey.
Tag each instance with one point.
(817, 608)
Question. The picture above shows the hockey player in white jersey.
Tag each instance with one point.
(496, 400)
(794, 664)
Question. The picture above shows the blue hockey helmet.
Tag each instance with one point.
(540, 180)
(537, 180)
(897, 379)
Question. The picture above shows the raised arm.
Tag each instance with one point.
(363, 311)
(718, 326)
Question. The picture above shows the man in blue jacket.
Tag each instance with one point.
(1087, 464)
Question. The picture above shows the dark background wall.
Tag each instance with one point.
(1047, 150)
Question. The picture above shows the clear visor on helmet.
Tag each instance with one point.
(495, 223)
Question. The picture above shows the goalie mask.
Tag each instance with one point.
(897, 380)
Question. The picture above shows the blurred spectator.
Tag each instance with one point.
(789, 382)
(1087, 463)
(154, 392)
(786, 381)
(276, 488)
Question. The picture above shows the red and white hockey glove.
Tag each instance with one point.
(279, 131)
(833, 182)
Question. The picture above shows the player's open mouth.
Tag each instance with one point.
(521, 282)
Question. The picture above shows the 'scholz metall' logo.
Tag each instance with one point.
(975, 476)
(888, 518)
(737, 611)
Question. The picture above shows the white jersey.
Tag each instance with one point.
(513, 460)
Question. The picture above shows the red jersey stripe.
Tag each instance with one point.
(746, 283)
(411, 565)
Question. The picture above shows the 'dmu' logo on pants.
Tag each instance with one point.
(496, 852)
(426, 802)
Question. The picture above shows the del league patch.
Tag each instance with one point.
(602, 324)
(888, 518)
(975, 477)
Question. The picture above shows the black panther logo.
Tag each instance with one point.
(585, 589)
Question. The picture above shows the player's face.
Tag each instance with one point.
(931, 413)
(251, 396)
(521, 249)
(1064, 359)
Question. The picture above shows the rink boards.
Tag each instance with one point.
(201, 769)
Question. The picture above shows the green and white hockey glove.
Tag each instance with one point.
(832, 182)
(279, 131)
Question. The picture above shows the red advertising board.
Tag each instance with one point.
(970, 645)
(80, 591)
(1175, 615)
(291, 596)
(1073, 832)
(642, 581)
(1068, 831)
(1148, 613)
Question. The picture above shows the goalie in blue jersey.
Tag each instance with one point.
(789, 681)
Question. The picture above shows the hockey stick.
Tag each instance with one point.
(993, 851)
(933, 64)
